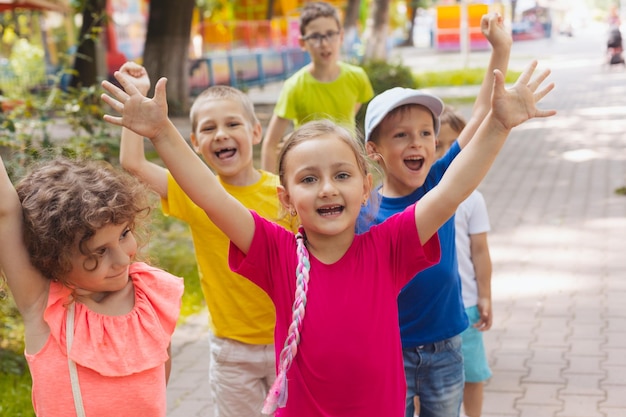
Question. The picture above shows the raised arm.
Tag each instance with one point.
(510, 108)
(148, 117)
(269, 147)
(28, 287)
(132, 154)
(492, 26)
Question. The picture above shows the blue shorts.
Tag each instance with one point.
(474, 356)
(434, 373)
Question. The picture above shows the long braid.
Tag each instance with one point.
(277, 396)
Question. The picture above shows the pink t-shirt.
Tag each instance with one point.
(349, 360)
(120, 359)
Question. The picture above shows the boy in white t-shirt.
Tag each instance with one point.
(471, 222)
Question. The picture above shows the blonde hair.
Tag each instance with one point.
(315, 129)
(220, 92)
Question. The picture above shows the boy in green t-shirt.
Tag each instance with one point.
(326, 88)
(241, 315)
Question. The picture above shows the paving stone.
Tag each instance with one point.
(531, 410)
(580, 406)
(541, 395)
(582, 384)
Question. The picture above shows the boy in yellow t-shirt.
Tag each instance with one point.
(241, 316)
(326, 88)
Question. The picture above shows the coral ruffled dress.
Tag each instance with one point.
(120, 359)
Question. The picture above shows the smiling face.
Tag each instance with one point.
(102, 265)
(224, 136)
(325, 184)
(405, 147)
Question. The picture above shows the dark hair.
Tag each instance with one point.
(66, 201)
(315, 10)
(218, 92)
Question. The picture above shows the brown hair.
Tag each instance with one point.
(450, 117)
(315, 10)
(66, 201)
(219, 92)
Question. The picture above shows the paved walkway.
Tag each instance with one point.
(558, 344)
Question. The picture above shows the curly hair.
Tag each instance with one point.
(66, 201)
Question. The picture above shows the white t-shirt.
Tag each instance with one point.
(471, 218)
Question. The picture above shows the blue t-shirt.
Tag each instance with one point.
(430, 306)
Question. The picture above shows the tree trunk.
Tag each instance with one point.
(376, 33)
(350, 26)
(86, 60)
(166, 50)
(513, 7)
(408, 41)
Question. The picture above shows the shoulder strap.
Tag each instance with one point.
(69, 337)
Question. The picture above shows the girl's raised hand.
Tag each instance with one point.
(493, 28)
(512, 107)
(145, 116)
(137, 75)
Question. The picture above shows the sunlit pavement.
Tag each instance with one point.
(558, 344)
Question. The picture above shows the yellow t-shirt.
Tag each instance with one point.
(238, 309)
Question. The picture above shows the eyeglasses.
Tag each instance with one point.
(315, 39)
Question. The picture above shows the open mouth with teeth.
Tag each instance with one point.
(225, 153)
(414, 164)
(330, 211)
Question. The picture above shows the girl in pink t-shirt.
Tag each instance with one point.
(334, 291)
(97, 325)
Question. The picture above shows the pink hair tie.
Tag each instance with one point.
(277, 395)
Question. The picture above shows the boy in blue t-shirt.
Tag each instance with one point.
(401, 126)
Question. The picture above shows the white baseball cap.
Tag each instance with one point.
(385, 102)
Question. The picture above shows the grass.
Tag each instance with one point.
(457, 78)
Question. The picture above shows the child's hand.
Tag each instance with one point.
(514, 106)
(146, 117)
(492, 27)
(137, 75)
(486, 315)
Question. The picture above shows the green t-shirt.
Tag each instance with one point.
(303, 98)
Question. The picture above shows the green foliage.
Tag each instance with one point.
(171, 248)
(26, 69)
(15, 400)
(384, 76)
(57, 122)
(15, 381)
